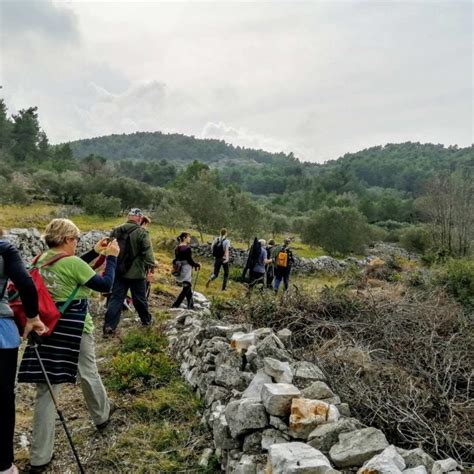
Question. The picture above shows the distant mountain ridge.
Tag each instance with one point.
(402, 166)
(174, 147)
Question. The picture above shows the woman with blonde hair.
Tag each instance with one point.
(70, 348)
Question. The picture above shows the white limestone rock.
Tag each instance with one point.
(297, 458)
(244, 416)
(277, 398)
(279, 371)
(357, 447)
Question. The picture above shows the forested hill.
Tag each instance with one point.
(404, 167)
(177, 148)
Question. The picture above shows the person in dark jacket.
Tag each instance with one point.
(183, 255)
(221, 251)
(257, 271)
(283, 261)
(269, 269)
(131, 272)
(12, 267)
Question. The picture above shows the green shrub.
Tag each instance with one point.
(458, 276)
(136, 340)
(175, 400)
(135, 371)
(102, 205)
(339, 230)
(12, 193)
(416, 239)
(378, 234)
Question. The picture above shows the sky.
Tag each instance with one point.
(316, 78)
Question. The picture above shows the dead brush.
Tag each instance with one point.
(403, 360)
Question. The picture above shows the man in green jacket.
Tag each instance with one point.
(135, 260)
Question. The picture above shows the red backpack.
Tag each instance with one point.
(48, 312)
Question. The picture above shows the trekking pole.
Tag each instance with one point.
(34, 345)
(196, 279)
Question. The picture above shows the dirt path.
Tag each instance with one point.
(119, 448)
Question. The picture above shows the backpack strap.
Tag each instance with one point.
(64, 307)
(49, 262)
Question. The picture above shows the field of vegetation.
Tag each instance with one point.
(396, 341)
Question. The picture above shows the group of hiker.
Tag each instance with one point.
(50, 305)
(267, 264)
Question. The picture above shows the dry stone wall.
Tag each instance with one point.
(30, 244)
(326, 264)
(270, 413)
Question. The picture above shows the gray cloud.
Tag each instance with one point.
(43, 19)
(316, 78)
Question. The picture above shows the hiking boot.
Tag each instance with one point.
(208, 282)
(108, 333)
(102, 426)
(148, 323)
(42, 468)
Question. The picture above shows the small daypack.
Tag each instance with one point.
(281, 260)
(218, 248)
(176, 268)
(125, 257)
(48, 312)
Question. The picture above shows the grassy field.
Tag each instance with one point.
(39, 214)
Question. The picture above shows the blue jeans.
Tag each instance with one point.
(119, 293)
(279, 276)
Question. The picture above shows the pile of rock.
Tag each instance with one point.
(271, 413)
(27, 241)
(30, 244)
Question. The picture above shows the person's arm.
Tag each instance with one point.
(89, 256)
(189, 258)
(16, 271)
(147, 251)
(265, 257)
(226, 251)
(103, 283)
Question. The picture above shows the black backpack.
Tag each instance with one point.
(218, 248)
(254, 254)
(125, 257)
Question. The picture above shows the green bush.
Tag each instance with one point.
(176, 400)
(458, 276)
(12, 193)
(136, 340)
(416, 239)
(378, 234)
(135, 371)
(102, 205)
(339, 230)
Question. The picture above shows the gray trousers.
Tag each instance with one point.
(42, 443)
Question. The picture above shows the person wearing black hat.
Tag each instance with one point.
(134, 262)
